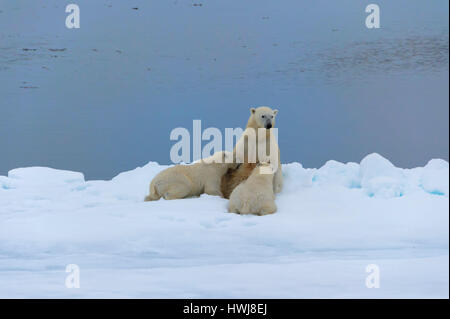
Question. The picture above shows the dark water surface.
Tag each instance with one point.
(103, 98)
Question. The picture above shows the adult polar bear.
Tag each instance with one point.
(247, 150)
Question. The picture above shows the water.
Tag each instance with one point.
(104, 98)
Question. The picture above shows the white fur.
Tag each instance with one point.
(183, 181)
(255, 195)
(248, 152)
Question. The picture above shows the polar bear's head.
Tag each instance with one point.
(263, 117)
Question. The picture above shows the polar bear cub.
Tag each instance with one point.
(182, 181)
(255, 195)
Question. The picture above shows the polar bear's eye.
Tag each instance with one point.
(262, 116)
(271, 116)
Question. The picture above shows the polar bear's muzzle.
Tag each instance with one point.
(268, 125)
(267, 121)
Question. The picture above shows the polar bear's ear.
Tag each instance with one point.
(275, 112)
(252, 110)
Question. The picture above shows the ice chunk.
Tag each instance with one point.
(379, 177)
(435, 177)
(5, 183)
(45, 176)
(438, 164)
(134, 184)
(338, 173)
(296, 176)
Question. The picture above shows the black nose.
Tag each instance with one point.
(269, 125)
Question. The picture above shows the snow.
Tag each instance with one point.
(331, 223)
(431, 178)
(380, 177)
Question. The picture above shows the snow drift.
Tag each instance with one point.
(331, 223)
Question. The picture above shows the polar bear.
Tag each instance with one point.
(255, 195)
(233, 177)
(217, 157)
(183, 181)
(261, 147)
(261, 120)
